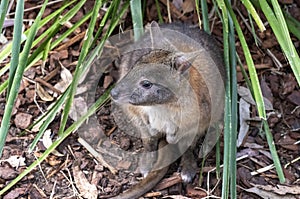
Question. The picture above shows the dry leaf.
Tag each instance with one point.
(3, 39)
(66, 75)
(78, 108)
(47, 142)
(86, 189)
(177, 4)
(176, 197)
(188, 6)
(66, 79)
(244, 112)
(278, 192)
(44, 95)
(246, 95)
(15, 161)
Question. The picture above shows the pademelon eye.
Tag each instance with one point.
(146, 84)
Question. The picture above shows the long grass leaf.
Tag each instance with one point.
(205, 19)
(278, 26)
(16, 44)
(257, 91)
(160, 18)
(234, 119)
(3, 10)
(137, 18)
(283, 27)
(293, 24)
(14, 80)
(78, 70)
(227, 114)
(251, 9)
(20, 69)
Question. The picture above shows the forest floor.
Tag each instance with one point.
(72, 172)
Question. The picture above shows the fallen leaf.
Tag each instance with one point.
(66, 79)
(274, 192)
(246, 95)
(244, 112)
(288, 143)
(294, 97)
(86, 189)
(266, 91)
(78, 108)
(47, 142)
(7, 173)
(192, 192)
(44, 95)
(15, 193)
(188, 6)
(16, 161)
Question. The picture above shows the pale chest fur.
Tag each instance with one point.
(174, 121)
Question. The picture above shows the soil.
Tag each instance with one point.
(73, 172)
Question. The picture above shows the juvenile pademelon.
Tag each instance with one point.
(172, 89)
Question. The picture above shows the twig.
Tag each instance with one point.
(97, 155)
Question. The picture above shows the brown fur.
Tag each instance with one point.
(201, 78)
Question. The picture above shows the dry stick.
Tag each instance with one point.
(43, 82)
(168, 182)
(51, 74)
(71, 41)
(97, 155)
(174, 10)
(36, 7)
(257, 66)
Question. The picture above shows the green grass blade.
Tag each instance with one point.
(3, 10)
(253, 29)
(13, 85)
(110, 12)
(253, 75)
(254, 14)
(245, 76)
(16, 81)
(256, 89)
(283, 27)
(16, 44)
(205, 19)
(293, 24)
(234, 118)
(160, 18)
(279, 28)
(227, 114)
(198, 13)
(137, 18)
(78, 70)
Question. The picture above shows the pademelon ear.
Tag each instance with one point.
(160, 38)
(182, 65)
(156, 35)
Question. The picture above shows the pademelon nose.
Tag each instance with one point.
(114, 93)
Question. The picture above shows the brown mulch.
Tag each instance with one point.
(72, 172)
